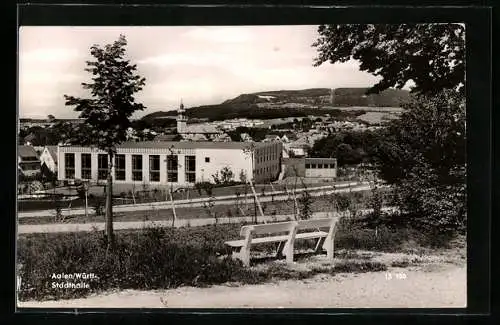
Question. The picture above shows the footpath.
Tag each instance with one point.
(121, 225)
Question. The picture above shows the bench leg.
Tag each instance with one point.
(235, 254)
(320, 242)
(328, 245)
(279, 250)
(289, 246)
(244, 255)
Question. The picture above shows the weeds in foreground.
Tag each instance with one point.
(163, 258)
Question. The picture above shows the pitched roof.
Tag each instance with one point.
(52, 151)
(321, 160)
(191, 145)
(201, 128)
(26, 151)
(29, 137)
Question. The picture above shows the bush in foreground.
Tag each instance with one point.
(150, 259)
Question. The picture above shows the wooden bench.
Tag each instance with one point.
(241, 248)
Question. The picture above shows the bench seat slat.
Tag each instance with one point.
(275, 239)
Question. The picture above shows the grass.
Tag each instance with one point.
(163, 258)
(319, 204)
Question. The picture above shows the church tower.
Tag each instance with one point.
(181, 119)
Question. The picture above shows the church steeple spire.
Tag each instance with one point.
(181, 119)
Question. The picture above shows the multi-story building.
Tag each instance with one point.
(174, 163)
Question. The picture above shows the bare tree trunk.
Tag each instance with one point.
(109, 202)
(296, 211)
(86, 203)
(173, 207)
(256, 200)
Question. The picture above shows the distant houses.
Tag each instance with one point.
(25, 123)
(245, 137)
(271, 137)
(28, 161)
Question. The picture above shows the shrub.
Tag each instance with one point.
(305, 202)
(353, 235)
(426, 162)
(98, 206)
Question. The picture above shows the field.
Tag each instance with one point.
(376, 117)
(372, 109)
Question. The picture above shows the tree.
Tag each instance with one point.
(431, 55)
(346, 155)
(305, 201)
(107, 112)
(424, 157)
(226, 175)
(243, 176)
(423, 153)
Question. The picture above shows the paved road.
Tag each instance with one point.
(120, 225)
(220, 200)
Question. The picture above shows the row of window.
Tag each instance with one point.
(267, 158)
(267, 154)
(137, 167)
(261, 171)
(309, 166)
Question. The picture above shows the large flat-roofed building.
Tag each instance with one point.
(321, 167)
(310, 167)
(168, 162)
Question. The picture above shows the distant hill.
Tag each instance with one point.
(357, 97)
(286, 103)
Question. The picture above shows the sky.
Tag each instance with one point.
(201, 65)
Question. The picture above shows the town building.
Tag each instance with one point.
(297, 149)
(174, 163)
(322, 168)
(48, 158)
(28, 161)
(271, 137)
(245, 137)
(195, 132)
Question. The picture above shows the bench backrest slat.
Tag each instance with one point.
(316, 223)
(268, 228)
